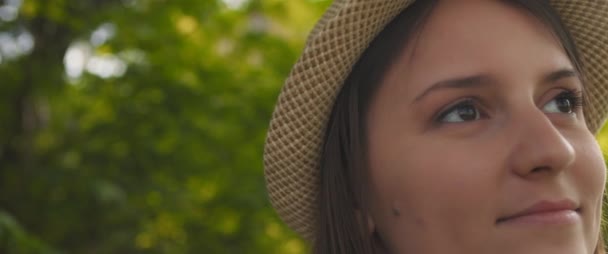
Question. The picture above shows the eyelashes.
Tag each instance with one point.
(464, 110)
(575, 96)
(569, 101)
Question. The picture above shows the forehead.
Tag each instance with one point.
(471, 37)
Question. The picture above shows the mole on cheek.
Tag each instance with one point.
(396, 208)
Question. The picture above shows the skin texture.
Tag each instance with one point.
(440, 187)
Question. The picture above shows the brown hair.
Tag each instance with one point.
(340, 226)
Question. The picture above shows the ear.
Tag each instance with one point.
(366, 218)
(371, 225)
(377, 244)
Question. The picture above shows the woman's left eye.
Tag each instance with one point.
(465, 111)
(565, 103)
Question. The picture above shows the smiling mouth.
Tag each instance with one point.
(545, 213)
(545, 217)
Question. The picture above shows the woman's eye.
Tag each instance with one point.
(565, 103)
(462, 112)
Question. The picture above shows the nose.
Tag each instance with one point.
(539, 148)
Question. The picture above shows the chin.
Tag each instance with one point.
(557, 248)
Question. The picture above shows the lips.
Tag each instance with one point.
(545, 212)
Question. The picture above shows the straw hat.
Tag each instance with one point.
(295, 135)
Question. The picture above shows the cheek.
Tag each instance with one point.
(589, 173)
(587, 178)
(434, 184)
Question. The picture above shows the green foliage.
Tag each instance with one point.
(164, 153)
(16, 240)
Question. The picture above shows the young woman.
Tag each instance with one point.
(445, 127)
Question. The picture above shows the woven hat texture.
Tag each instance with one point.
(297, 128)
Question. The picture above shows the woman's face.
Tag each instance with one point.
(478, 143)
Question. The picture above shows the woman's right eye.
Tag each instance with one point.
(462, 112)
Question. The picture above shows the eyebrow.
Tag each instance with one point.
(484, 80)
(561, 74)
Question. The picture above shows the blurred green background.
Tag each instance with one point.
(137, 126)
